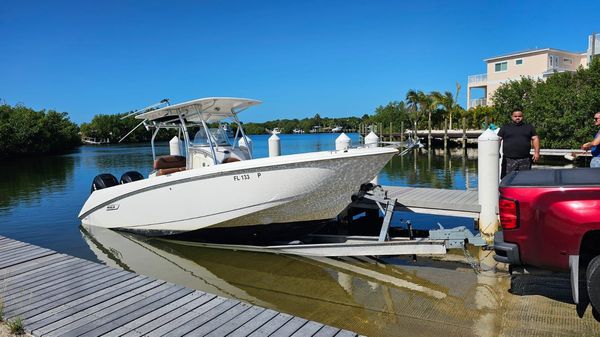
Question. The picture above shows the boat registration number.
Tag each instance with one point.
(241, 177)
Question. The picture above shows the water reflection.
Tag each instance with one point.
(389, 297)
(436, 168)
(27, 180)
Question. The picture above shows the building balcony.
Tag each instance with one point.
(552, 70)
(477, 80)
(477, 102)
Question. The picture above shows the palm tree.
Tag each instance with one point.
(412, 100)
(446, 100)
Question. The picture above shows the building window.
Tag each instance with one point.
(501, 66)
(568, 61)
(519, 61)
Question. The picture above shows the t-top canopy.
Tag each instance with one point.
(212, 109)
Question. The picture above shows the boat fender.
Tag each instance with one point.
(130, 176)
(103, 180)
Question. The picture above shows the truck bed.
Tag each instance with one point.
(552, 178)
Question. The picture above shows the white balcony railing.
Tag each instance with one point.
(477, 102)
(481, 78)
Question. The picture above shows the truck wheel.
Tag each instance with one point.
(593, 284)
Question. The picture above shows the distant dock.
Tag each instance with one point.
(59, 295)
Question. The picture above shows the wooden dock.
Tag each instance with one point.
(435, 201)
(60, 295)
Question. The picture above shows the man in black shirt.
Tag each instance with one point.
(516, 144)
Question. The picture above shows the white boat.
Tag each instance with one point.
(298, 131)
(337, 129)
(217, 186)
(94, 141)
(228, 131)
(275, 131)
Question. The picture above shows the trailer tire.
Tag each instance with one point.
(592, 278)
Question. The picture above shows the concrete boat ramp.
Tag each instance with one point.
(58, 295)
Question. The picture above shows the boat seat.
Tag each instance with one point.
(161, 172)
(169, 162)
(229, 160)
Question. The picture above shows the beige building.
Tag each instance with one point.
(536, 63)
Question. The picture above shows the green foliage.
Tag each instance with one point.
(394, 112)
(24, 131)
(15, 326)
(561, 108)
(115, 127)
(306, 124)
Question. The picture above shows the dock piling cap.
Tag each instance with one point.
(488, 135)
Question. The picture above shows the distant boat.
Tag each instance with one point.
(228, 130)
(315, 129)
(298, 131)
(336, 129)
(93, 141)
(275, 131)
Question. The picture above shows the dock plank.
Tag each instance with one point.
(173, 317)
(156, 315)
(273, 324)
(326, 331)
(201, 320)
(290, 327)
(308, 329)
(134, 311)
(71, 294)
(222, 320)
(65, 298)
(233, 324)
(40, 289)
(56, 295)
(37, 276)
(253, 324)
(185, 318)
(74, 323)
(74, 314)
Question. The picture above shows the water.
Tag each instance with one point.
(41, 197)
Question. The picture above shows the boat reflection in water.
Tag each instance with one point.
(389, 297)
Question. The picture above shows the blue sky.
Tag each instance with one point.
(335, 58)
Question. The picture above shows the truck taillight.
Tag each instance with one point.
(509, 213)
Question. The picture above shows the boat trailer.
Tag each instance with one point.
(437, 241)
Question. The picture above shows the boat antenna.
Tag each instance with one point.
(141, 111)
(148, 108)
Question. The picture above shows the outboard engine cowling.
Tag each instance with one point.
(131, 176)
(103, 180)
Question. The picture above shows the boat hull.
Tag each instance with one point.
(295, 188)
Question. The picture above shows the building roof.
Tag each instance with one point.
(530, 51)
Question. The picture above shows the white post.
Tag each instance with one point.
(274, 146)
(174, 147)
(371, 140)
(488, 145)
(343, 142)
(242, 144)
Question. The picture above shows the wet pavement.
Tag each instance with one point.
(437, 296)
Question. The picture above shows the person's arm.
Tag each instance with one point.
(536, 148)
(591, 144)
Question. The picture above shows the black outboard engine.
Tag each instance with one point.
(103, 180)
(131, 176)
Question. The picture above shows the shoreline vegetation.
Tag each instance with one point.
(560, 107)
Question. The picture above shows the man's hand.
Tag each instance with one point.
(536, 157)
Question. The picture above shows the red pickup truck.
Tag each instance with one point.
(551, 219)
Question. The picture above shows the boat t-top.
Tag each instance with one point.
(212, 184)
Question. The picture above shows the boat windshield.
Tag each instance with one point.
(218, 136)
